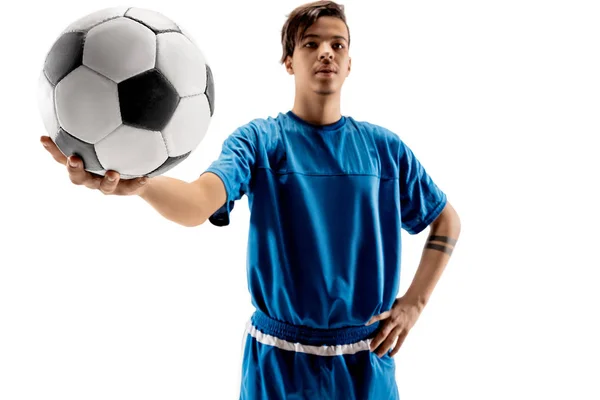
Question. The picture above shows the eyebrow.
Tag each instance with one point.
(317, 36)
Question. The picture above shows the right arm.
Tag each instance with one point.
(186, 203)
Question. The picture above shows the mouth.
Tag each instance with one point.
(325, 70)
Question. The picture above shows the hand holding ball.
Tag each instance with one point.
(125, 90)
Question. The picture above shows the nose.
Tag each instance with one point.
(325, 55)
(326, 52)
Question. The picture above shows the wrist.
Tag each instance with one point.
(142, 191)
(416, 300)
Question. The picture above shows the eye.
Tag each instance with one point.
(309, 44)
(341, 46)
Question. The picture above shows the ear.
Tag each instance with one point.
(288, 65)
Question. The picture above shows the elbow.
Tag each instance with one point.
(195, 222)
(191, 224)
(192, 221)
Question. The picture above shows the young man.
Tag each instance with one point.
(328, 196)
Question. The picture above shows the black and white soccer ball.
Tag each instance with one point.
(126, 90)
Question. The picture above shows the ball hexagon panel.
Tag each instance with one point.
(132, 151)
(65, 55)
(147, 100)
(182, 63)
(95, 18)
(167, 165)
(185, 32)
(119, 49)
(188, 126)
(45, 97)
(70, 145)
(87, 105)
(152, 19)
(210, 84)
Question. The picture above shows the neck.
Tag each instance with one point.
(318, 109)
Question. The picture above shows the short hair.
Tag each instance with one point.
(299, 20)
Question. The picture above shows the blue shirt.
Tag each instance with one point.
(327, 205)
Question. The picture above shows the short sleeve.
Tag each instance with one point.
(234, 166)
(421, 200)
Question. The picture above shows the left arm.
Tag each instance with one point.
(397, 322)
(443, 236)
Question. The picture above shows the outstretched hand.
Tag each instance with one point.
(396, 323)
(110, 183)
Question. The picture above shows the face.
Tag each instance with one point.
(323, 46)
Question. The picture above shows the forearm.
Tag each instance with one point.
(174, 199)
(437, 251)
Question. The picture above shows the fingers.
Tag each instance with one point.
(131, 186)
(109, 183)
(79, 176)
(379, 317)
(53, 150)
(385, 346)
(399, 343)
(384, 331)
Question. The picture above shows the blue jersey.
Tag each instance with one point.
(327, 205)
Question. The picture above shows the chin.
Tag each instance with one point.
(325, 89)
(325, 92)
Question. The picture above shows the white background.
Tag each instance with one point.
(101, 298)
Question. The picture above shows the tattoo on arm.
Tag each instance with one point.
(444, 239)
(447, 247)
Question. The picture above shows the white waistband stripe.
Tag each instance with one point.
(337, 350)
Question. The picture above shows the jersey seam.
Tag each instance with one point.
(321, 174)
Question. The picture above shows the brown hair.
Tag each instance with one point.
(302, 18)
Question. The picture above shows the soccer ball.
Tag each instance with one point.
(125, 89)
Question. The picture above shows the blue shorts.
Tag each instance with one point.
(284, 361)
